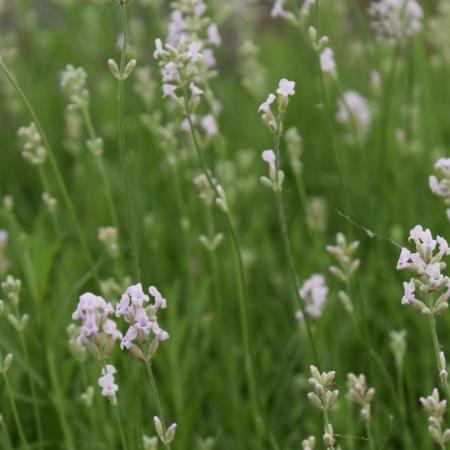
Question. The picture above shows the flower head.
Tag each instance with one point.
(286, 88)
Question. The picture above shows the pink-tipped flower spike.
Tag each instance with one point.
(141, 315)
(426, 265)
(97, 332)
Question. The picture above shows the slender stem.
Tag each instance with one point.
(126, 159)
(54, 164)
(437, 350)
(37, 416)
(101, 165)
(119, 422)
(326, 106)
(243, 300)
(287, 245)
(370, 436)
(151, 377)
(15, 413)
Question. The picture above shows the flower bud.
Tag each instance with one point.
(114, 68)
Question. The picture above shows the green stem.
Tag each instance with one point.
(437, 350)
(126, 159)
(101, 166)
(326, 106)
(159, 408)
(287, 244)
(119, 422)
(36, 413)
(15, 413)
(54, 164)
(370, 436)
(243, 300)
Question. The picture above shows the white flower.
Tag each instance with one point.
(314, 294)
(408, 296)
(353, 110)
(396, 20)
(327, 63)
(213, 35)
(193, 52)
(158, 49)
(209, 124)
(286, 88)
(107, 382)
(270, 158)
(169, 90)
(265, 106)
(278, 9)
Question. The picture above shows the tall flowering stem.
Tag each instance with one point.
(243, 300)
(5, 366)
(54, 164)
(121, 73)
(154, 387)
(275, 124)
(428, 290)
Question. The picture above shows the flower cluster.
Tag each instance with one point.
(426, 265)
(435, 409)
(396, 20)
(442, 187)
(309, 444)
(285, 89)
(323, 397)
(33, 150)
(12, 288)
(276, 178)
(278, 10)
(73, 83)
(314, 294)
(343, 252)
(108, 237)
(141, 316)
(359, 392)
(107, 383)
(187, 59)
(98, 332)
(353, 111)
(438, 34)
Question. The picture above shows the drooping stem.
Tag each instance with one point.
(126, 157)
(54, 164)
(159, 407)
